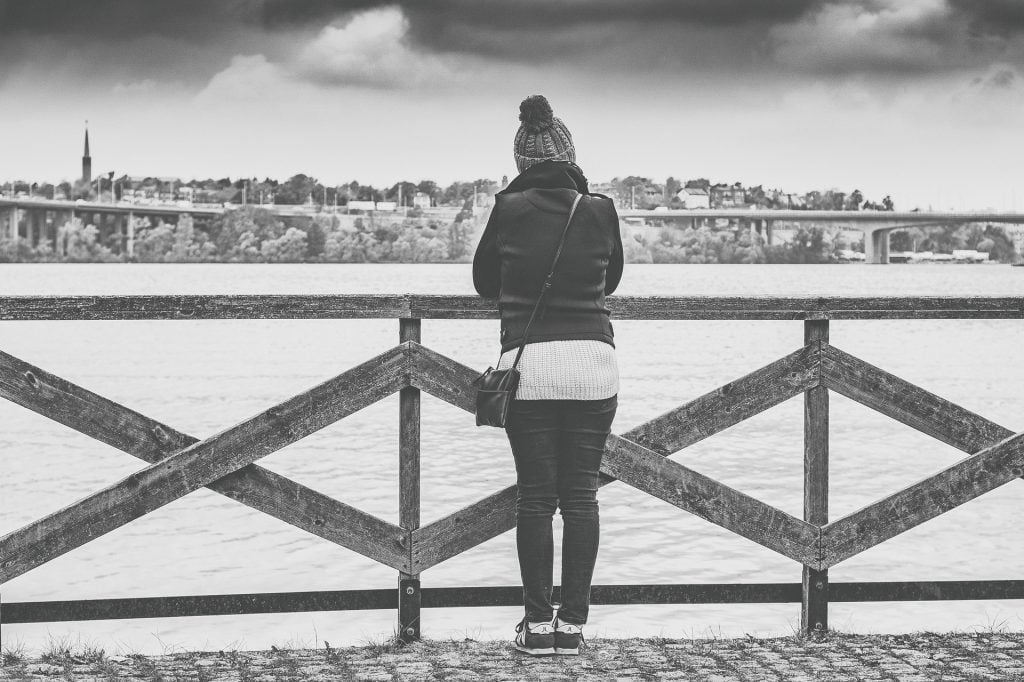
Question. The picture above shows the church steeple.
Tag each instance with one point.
(86, 159)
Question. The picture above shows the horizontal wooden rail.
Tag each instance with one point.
(460, 597)
(386, 306)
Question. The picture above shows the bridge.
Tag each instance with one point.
(37, 220)
(876, 225)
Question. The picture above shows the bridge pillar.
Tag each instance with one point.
(30, 227)
(876, 246)
(768, 227)
(130, 229)
(42, 227)
(12, 223)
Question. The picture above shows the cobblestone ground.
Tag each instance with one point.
(833, 657)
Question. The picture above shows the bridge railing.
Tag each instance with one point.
(178, 463)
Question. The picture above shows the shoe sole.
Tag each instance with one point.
(567, 652)
(535, 652)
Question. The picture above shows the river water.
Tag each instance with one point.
(203, 376)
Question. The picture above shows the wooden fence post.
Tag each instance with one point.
(814, 592)
(409, 600)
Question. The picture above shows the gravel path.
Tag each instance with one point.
(834, 657)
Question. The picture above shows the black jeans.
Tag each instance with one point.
(558, 445)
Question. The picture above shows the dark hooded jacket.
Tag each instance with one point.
(518, 245)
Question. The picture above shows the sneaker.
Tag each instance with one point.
(567, 639)
(536, 640)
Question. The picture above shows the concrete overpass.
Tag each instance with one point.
(876, 225)
(37, 220)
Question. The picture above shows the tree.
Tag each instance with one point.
(457, 193)
(288, 248)
(428, 187)
(672, 187)
(408, 191)
(297, 190)
(238, 233)
(854, 201)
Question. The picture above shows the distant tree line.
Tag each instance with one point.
(992, 239)
(296, 190)
(700, 245)
(255, 235)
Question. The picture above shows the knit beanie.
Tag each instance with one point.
(541, 136)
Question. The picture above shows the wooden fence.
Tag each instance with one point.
(179, 464)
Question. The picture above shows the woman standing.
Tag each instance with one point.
(567, 395)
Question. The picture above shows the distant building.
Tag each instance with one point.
(145, 189)
(728, 196)
(694, 197)
(86, 159)
(421, 200)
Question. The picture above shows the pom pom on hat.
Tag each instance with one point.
(542, 136)
(536, 114)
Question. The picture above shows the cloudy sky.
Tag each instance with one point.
(920, 99)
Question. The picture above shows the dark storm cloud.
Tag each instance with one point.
(104, 19)
(187, 18)
(491, 14)
(525, 31)
(998, 16)
(192, 39)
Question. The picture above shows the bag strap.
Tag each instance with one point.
(547, 280)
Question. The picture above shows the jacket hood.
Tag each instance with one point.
(549, 175)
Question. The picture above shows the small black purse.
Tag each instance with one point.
(496, 388)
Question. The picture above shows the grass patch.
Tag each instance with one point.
(65, 653)
(146, 668)
(13, 654)
(241, 664)
(386, 644)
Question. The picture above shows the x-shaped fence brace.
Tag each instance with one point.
(180, 464)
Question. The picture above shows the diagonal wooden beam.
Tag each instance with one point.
(201, 463)
(468, 527)
(442, 377)
(730, 404)
(129, 431)
(924, 500)
(711, 500)
(903, 401)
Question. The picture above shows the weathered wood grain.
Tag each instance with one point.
(305, 306)
(504, 595)
(200, 464)
(814, 583)
(204, 307)
(410, 596)
(409, 436)
(198, 605)
(149, 440)
(442, 377)
(464, 529)
(730, 404)
(924, 500)
(907, 403)
(711, 500)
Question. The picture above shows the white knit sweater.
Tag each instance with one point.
(565, 370)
